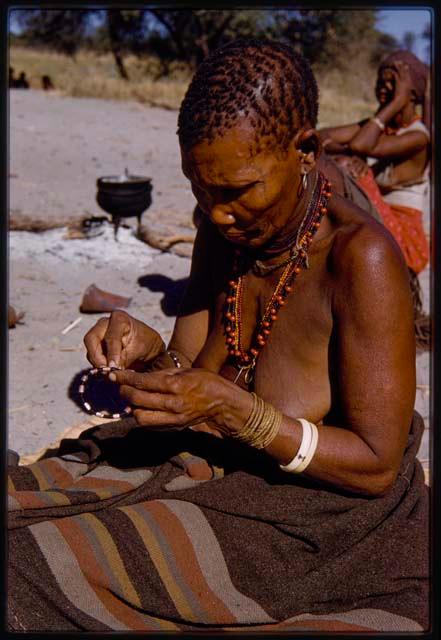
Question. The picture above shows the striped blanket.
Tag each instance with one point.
(122, 529)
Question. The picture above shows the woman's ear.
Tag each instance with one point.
(308, 146)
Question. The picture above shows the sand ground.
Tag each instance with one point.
(58, 147)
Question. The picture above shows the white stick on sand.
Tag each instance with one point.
(71, 326)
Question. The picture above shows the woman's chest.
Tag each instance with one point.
(292, 364)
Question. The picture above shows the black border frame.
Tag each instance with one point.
(435, 305)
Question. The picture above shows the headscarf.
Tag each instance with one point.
(417, 69)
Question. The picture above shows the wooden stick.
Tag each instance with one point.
(71, 326)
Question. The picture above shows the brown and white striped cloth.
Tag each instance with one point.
(126, 530)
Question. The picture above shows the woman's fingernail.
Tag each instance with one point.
(112, 377)
(112, 363)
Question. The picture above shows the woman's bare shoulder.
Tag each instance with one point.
(360, 241)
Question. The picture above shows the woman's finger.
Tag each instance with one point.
(160, 381)
(93, 341)
(115, 338)
(146, 418)
(152, 401)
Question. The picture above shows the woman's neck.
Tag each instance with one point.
(284, 239)
(404, 117)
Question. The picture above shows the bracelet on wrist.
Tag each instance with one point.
(165, 360)
(306, 450)
(379, 123)
(262, 424)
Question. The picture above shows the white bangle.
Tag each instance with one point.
(306, 450)
(378, 122)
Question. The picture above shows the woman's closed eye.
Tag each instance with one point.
(222, 194)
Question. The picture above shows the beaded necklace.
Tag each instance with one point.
(245, 361)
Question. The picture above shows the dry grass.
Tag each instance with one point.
(95, 76)
(343, 97)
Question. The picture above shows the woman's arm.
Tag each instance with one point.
(374, 369)
(370, 139)
(338, 136)
(373, 377)
(192, 323)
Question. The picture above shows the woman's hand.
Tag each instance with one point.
(122, 341)
(403, 82)
(180, 398)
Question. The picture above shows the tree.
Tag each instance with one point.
(193, 34)
(59, 30)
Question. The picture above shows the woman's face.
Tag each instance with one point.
(248, 195)
(385, 87)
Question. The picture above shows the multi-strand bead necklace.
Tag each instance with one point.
(245, 361)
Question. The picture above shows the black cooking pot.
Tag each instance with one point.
(124, 196)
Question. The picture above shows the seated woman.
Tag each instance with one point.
(268, 478)
(398, 140)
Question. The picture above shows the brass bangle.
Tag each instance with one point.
(262, 424)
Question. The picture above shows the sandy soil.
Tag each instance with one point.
(59, 146)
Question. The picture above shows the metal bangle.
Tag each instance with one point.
(174, 357)
(379, 124)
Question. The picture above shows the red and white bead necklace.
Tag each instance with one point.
(245, 361)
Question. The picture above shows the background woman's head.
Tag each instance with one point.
(417, 69)
(266, 82)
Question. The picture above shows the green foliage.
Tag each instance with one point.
(192, 34)
(345, 40)
(59, 30)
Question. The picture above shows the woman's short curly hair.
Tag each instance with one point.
(266, 82)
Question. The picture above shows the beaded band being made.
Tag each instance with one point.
(261, 426)
(87, 406)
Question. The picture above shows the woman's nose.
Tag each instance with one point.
(220, 215)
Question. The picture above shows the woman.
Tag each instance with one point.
(273, 484)
(398, 140)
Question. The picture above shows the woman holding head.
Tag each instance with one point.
(397, 142)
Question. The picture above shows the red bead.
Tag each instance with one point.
(267, 332)
(229, 315)
(229, 300)
(316, 225)
(254, 352)
(282, 302)
(266, 323)
(273, 311)
(233, 318)
(323, 210)
(237, 353)
(274, 317)
(288, 289)
(297, 269)
(232, 283)
(229, 340)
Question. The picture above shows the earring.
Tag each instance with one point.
(305, 180)
(302, 185)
